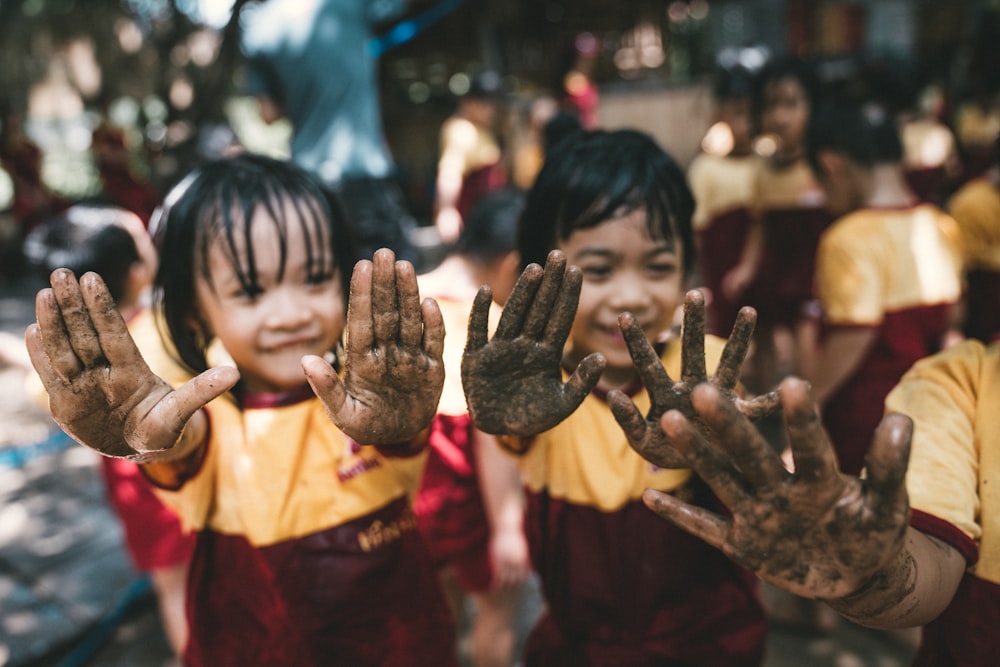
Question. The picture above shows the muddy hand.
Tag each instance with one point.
(644, 433)
(101, 392)
(817, 533)
(513, 382)
(394, 372)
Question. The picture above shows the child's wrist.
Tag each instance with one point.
(411, 446)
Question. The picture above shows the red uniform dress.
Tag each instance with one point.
(622, 586)
(952, 398)
(449, 506)
(307, 549)
(897, 271)
(976, 207)
(722, 189)
(789, 203)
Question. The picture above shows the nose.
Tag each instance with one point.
(629, 293)
(288, 309)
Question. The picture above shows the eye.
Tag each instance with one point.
(319, 279)
(596, 271)
(248, 293)
(663, 268)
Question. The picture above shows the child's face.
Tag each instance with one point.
(623, 270)
(267, 334)
(786, 114)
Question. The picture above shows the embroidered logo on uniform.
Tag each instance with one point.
(356, 468)
(380, 533)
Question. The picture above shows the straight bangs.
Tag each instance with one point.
(599, 176)
(228, 223)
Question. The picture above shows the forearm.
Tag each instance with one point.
(840, 356)
(499, 483)
(913, 590)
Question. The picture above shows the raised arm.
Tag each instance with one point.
(817, 533)
(394, 371)
(101, 392)
(513, 382)
(644, 433)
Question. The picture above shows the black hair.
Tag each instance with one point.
(786, 67)
(490, 229)
(215, 203)
(85, 237)
(867, 134)
(561, 126)
(599, 175)
(733, 82)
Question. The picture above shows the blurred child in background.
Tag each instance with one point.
(722, 179)
(470, 506)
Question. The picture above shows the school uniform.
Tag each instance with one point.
(898, 272)
(307, 550)
(622, 586)
(951, 480)
(722, 189)
(976, 208)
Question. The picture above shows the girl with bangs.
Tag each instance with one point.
(295, 477)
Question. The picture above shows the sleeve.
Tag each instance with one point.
(939, 394)
(850, 281)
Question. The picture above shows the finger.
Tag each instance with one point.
(735, 352)
(479, 319)
(887, 460)
(647, 363)
(759, 407)
(711, 463)
(411, 324)
(79, 327)
(629, 418)
(560, 320)
(113, 335)
(699, 522)
(326, 384)
(360, 335)
(517, 305)
(53, 335)
(385, 297)
(584, 378)
(39, 359)
(693, 339)
(201, 390)
(433, 328)
(756, 459)
(811, 450)
(549, 292)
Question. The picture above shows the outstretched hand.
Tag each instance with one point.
(817, 533)
(644, 433)
(513, 382)
(394, 373)
(101, 392)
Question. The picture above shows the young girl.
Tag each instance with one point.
(469, 506)
(307, 552)
(888, 273)
(722, 179)
(620, 588)
(775, 272)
